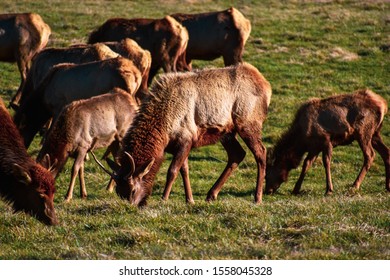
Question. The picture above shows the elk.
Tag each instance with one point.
(322, 124)
(23, 183)
(83, 125)
(22, 35)
(141, 58)
(165, 38)
(68, 82)
(214, 34)
(190, 110)
(44, 61)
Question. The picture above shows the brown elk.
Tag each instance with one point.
(23, 183)
(322, 124)
(214, 34)
(97, 122)
(189, 110)
(44, 61)
(68, 82)
(165, 38)
(21, 37)
(141, 58)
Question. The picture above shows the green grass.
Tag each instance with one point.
(305, 49)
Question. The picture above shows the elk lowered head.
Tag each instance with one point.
(276, 173)
(129, 179)
(38, 194)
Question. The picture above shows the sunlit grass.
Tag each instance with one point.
(305, 49)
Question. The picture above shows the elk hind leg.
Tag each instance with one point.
(326, 159)
(369, 155)
(384, 152)
(235, 155)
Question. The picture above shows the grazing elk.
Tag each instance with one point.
(25, 184)
(320, 125)
(165, 38)
(68, 82)
(214, 34)
(78, 54)
(44, 61)
(189, 110)
(21, 37)
(141, 58)
(97, 122)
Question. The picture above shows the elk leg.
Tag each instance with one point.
(326, 158)
(369, 155)
(235, 155)
(310, 158)
(75, 170)
(83, 190)
(113, 149)
(184, 171)
(177, 162)
(384, 151)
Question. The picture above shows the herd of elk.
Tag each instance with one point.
(98, 95)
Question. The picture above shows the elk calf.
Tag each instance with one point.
(25, 184)
(98, 122)
(320, 125)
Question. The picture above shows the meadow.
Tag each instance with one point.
(311, 48)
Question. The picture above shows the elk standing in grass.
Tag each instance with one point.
(68, 82)
(320, 125)
(25, 184)
(189, 110)
(98, 122)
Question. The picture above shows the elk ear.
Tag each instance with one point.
(145, 169)
(21, 175)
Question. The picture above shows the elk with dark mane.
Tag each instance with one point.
(322, 124)
(189, 110)
(26, 185)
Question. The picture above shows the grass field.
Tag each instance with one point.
(305, 49)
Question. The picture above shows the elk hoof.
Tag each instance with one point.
(328, 193)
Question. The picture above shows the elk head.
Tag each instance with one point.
(129, 179)
(35, 193)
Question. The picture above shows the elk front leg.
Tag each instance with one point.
(79, 161)
(179, 159)
(310, 158)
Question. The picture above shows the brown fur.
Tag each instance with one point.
(97, 122)
(165, 38)
(44, 61)
(21, 37)
(68, 82)
(141, 58)
(189, 110)
(214, 34)
(320, 125)
(23, 183)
